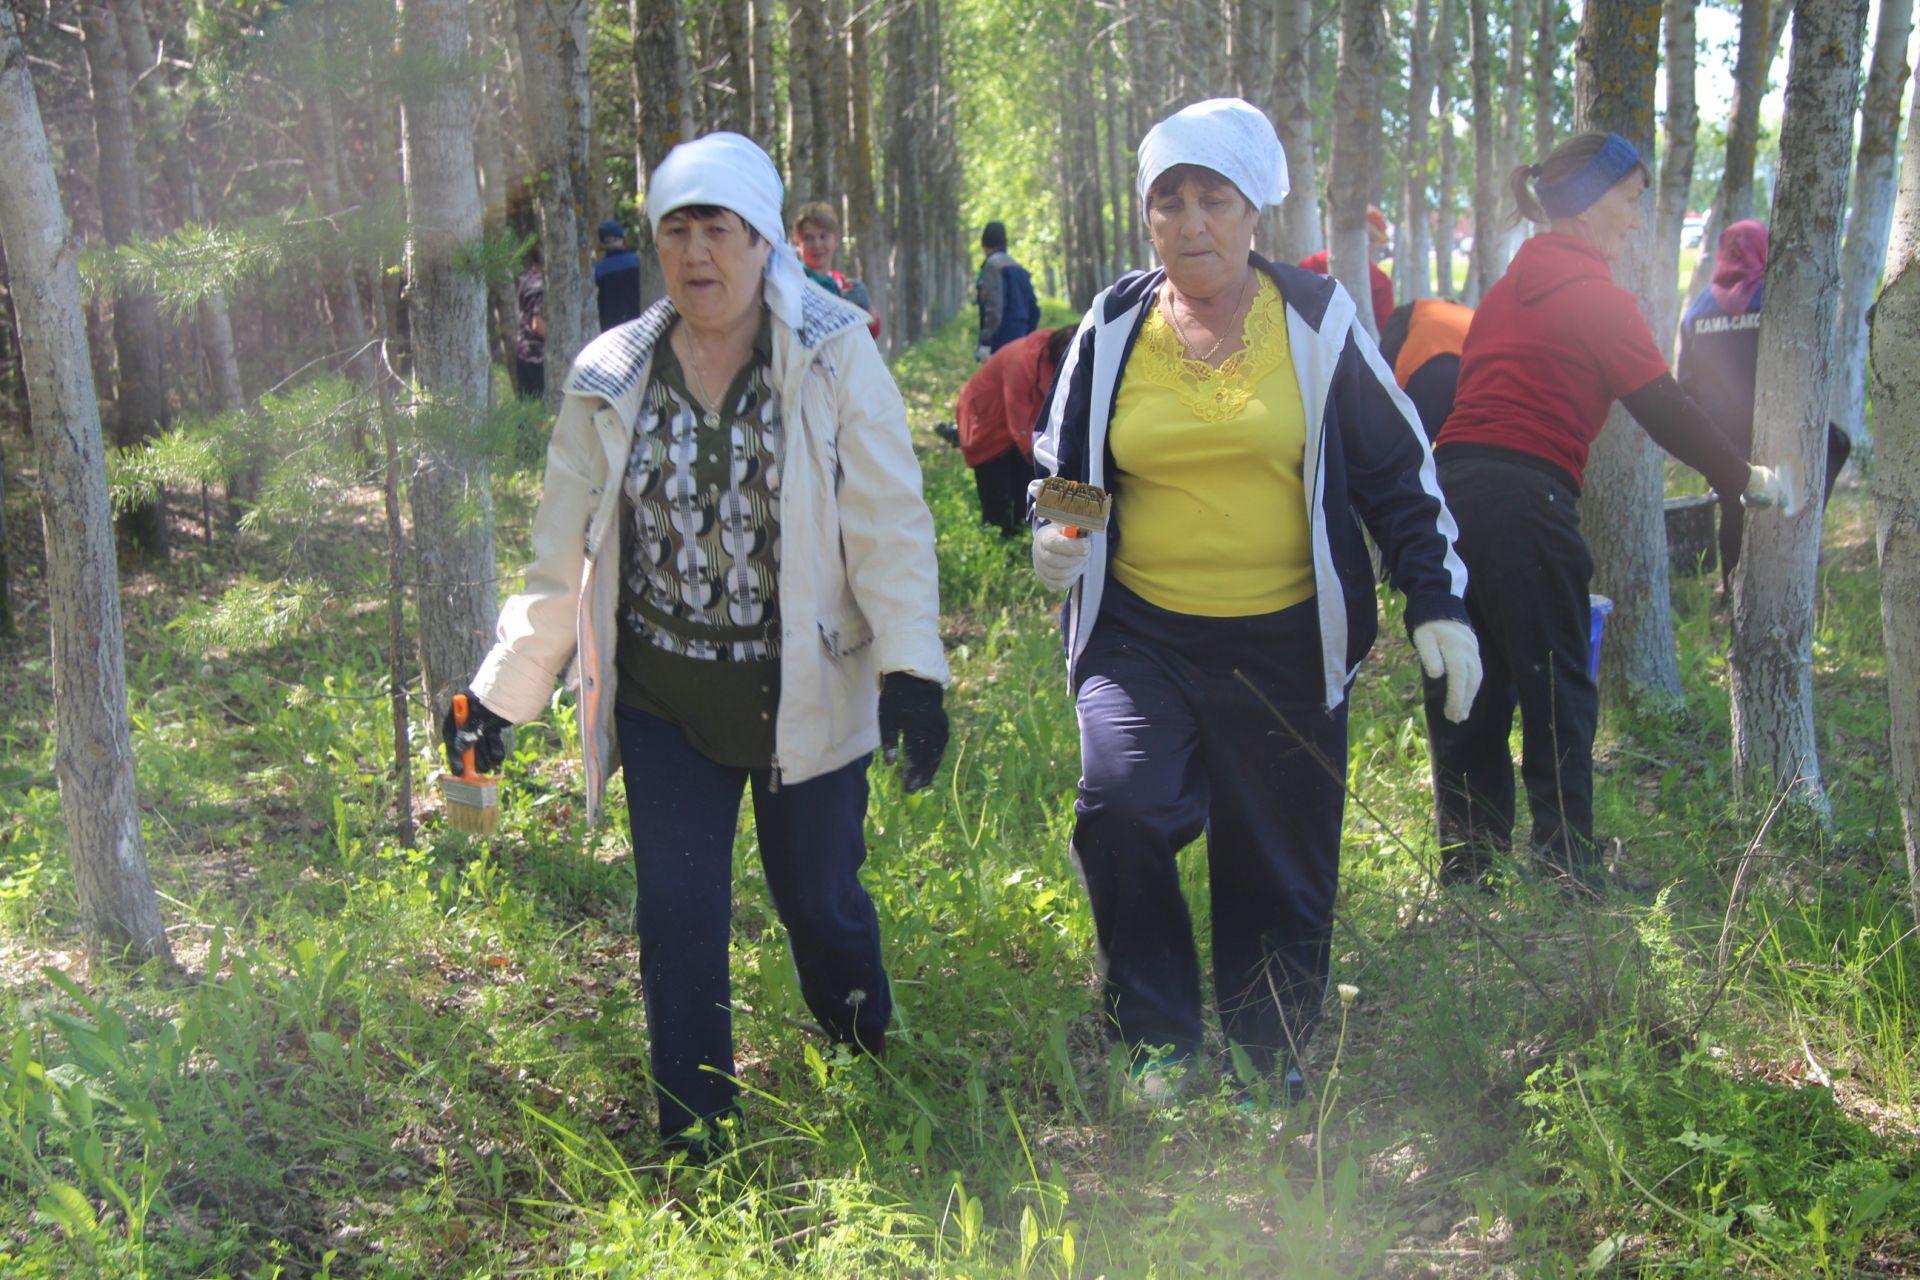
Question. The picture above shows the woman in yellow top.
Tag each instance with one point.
(1247, 428)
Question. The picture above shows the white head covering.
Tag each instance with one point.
(1231, 136)
(731, 171)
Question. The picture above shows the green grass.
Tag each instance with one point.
(395, 1063)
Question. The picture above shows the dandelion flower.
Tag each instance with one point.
(1348, 993)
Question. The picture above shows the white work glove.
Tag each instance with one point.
(1449, 649)
(981, 352)
(1058, 561)
(1768, 487)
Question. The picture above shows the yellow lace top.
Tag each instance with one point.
(1209, 497)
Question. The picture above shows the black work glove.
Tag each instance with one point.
(911, 714)
(484, 733)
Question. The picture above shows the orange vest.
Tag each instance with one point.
(1436, 328)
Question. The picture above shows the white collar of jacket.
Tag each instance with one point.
(615, 365)
(1320, 324)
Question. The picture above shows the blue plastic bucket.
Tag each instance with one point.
(1600, 607)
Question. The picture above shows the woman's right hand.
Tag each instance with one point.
(1058, 560)
(484, 732)
(1769, 487)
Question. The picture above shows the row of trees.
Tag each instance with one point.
(339, 190)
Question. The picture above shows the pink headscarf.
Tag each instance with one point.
(1740, 267)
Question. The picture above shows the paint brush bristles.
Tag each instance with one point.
(1077, 508)
(473, 798)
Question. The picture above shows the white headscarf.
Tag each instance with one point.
(731, 171)
(1231, 136)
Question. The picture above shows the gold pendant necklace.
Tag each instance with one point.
(697, 383)
(1232, 327)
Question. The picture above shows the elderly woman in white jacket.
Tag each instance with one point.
(733, 546)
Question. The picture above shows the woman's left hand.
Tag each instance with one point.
(1448, 648)
(912, 715)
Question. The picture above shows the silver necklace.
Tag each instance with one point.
(1233, 326)
(697, 383)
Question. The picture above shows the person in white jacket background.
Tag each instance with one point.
(733, 546)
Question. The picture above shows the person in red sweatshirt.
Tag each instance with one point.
(1551, 347)
(1378, 281)
(995, 416)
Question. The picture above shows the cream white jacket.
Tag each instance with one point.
(859, 587)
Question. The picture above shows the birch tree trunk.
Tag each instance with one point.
(863, 210)
(831, 114)
(1893, 337)
(660, 115)
(1297, 234)
(553, 48)
(1412, 263)
(1865, 252)
(452, 504)
(1446, 55)
(1760, 24)
(1773, 589)
(1621, 508)
(1546, 56)
(1486, 197)
(1676, 173)
(142, 411)
(1356, 142)
(764, 119)
(1513, 93)
(736, 84)
(805, 39)
(93, 761)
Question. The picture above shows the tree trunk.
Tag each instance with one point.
(1676, 174)
(452, 505)
(142, 412)
(764, 130)
(1298, 233)
(1412, 262)
(1446, 53)
(660, 113)
(1486, 197)
(1117, 178)
(553, 49)
(1622, 510)
(863, 209)
(1546, 57)
(1892, 339)
(1773, 589)
(93, 761)
(734, 86)
(1356, 141)
(1734, 200)
(1513, 93)
(1865, 252)
(805, 40)
(833, 108)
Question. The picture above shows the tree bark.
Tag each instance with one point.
(1446, 54)
(1865, 252)
(1117, 178)
(1546, 57)
(1893, 337)
(1676, 173)
(452, 505)
(1622, 510)
(1486, 199)
(1514, 92)
(1356, 142)
(764, 129)
(1771, 660)
(553, 48)
(1412, 261)
(93, 761)
(831, 112)
(661, 122)
(863, 209)
(1298, 233)
(805, 41)
(142, 412)
(1761, 24)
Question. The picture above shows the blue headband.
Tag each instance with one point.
(1574, 193)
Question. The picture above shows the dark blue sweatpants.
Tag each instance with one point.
(1173, 743)
(683, 809)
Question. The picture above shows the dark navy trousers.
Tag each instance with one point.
(1173, 743)
(1528, 567)
(683, 808)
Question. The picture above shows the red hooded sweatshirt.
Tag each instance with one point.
(1000, 402)
(1552, 346)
